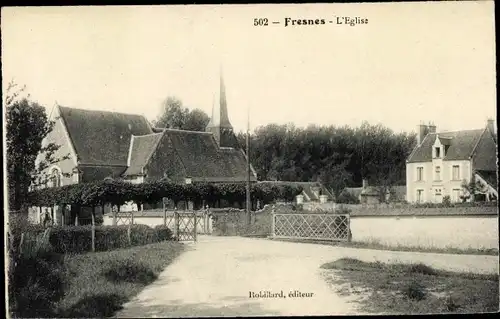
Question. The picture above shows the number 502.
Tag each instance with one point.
(260, 22)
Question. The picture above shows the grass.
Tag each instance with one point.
(378, 246)
(101, 282)
(412, 288)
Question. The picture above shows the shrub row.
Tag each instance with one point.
(449, 204)
(118, 192)
(78, 239)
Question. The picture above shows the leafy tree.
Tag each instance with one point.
(27, 124)
(175, 115)
(336, 156)
(196, 120)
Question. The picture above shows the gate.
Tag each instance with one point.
(334, 227)
(122, 218)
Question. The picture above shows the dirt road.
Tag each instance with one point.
(217, 275)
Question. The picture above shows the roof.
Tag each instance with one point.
(307, 188)
(489, 177)
(461, 146)
(370, 191)
(141, 148)
(101, 137)
(200, 156)
(355, 191)
(99, 173)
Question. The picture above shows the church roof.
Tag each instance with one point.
(111, 144)
(101, 137)
(199, 154)
(141, 148)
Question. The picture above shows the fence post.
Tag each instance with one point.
(93, 228)
(164, 212)
(176, 224)
(114, 214)
(349, 234)
(195, 229)
(273, 234)
(132, 218)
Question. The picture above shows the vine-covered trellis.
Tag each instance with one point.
(117, 193)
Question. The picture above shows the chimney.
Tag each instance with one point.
(365, 183)
(422, 131)
(432, 128)
(491, 125)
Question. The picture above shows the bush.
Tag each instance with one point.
(129, 270)
(36, 282)
(447, 201)
(163, 233)
(414, 291)
(78, 239)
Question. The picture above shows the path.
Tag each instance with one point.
(215, 275)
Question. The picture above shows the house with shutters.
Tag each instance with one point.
(441, 163)
(111, 145)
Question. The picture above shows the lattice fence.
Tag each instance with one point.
(312, 226)
(183, 226)
(124, 218)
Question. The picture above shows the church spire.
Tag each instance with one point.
(220, 117)
(219, 123)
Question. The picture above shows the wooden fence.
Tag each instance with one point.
(334, 227)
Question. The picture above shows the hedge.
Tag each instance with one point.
(77, 239)
(118, 192)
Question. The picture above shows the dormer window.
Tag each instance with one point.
(446, 147)
(437, 152)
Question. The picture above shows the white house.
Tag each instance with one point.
(441, 162)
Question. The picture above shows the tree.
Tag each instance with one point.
(196, 120)
(27, 124)
(175, 115)
(336, 178)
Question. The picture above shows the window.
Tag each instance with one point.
(420, 173)
(455, 195)
(456, 172)
(438, 152)
(438, 173)
(420, 195)
(55, 177)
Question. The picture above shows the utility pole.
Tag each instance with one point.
(249, 207)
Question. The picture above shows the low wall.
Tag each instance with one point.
(428, 231)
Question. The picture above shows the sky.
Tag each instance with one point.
(412, 62)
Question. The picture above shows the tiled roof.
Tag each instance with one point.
(101, 137)
(461, 146)
(236, 162)
(199, 154)
(355, 191)
(99, 173)
(308, 188)
(370, 191)
(490, 177)
(141, 149)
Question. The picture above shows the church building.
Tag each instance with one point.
(110, 145)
